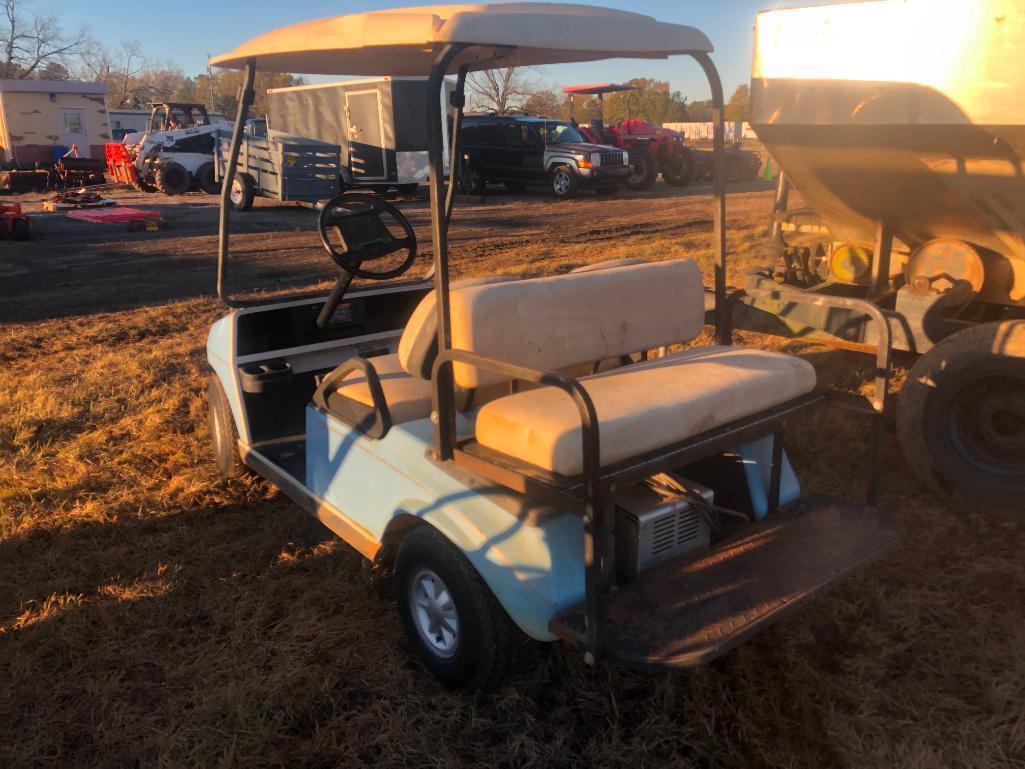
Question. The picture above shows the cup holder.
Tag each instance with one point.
(266, 377)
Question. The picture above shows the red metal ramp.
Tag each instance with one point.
(685, 613)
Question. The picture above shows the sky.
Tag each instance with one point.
(170, 32)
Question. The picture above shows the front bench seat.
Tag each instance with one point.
(644, 406)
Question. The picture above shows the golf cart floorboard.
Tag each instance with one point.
(687, 612)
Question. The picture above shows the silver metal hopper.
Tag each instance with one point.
(910, 112)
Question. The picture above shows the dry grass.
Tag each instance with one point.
(154, 615)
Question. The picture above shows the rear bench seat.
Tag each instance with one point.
(559, 322)
(564, 323)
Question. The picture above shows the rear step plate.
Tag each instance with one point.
(688, 612)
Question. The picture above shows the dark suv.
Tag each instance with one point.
(520, 151)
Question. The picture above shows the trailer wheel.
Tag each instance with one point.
(243, 190)
(453, 621)
(207, 180)
(961, 417)
(223, 432)
(171, 179)
(642, 171)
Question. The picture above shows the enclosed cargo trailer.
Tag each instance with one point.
(378, 123)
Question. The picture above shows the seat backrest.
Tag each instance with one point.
(557, 322)
(418, 345)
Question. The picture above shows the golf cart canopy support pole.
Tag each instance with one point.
(245, 101)
(444, 406)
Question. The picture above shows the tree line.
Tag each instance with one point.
(33, 44)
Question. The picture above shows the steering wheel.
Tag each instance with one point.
(362, 235)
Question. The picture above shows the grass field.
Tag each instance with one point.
(153, 614)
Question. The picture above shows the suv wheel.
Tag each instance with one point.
(473, 181)
(564, 182)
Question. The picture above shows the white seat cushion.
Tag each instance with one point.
(644, 406)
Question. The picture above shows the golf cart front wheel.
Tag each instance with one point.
(223, 433)
(961, 418)
(452, 620)
(243, 190)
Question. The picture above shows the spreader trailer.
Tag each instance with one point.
(910, 165)
(512, 454)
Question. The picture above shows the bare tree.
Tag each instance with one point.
(498, 90)
(118, 70)
(29, 43)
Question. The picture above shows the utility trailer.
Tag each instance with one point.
(637, 506)
(278, 166)
(377, 123)
(909, 160)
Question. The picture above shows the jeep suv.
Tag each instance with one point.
(519, 151)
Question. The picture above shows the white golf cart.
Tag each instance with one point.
(512, 452)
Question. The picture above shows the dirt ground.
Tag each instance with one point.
(153, 614)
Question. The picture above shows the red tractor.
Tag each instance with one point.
(653, 150)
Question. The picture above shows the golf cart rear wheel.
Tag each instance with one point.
(642, 171)
(223, 433)
(206, 180)
(172, 179)
(453, 621)
(563, 182)
(961, 418)
(243, 190)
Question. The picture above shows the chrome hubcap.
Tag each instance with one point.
(434, 613)
(561, 182)
(236, 191)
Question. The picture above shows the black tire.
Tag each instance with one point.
(223, 433)
(20, 229)
(408, 189)
(472, 180)
(679, 172)
(172, 179)
(206, 180)
(642, 171)
(608, 191)
(563, 182)
(488, 646)
(139, 185)
(961, 418)
(735, 170)
(515, 186)
(243, 191)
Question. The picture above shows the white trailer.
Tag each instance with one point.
(378, 124)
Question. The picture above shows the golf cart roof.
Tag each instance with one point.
(591, 90)
(405, 41)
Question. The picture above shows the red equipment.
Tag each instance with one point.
(652, 150)
(120, 165)
(13, 223)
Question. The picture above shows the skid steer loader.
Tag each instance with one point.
(173, 155)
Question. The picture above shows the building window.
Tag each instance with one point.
(73, 122)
